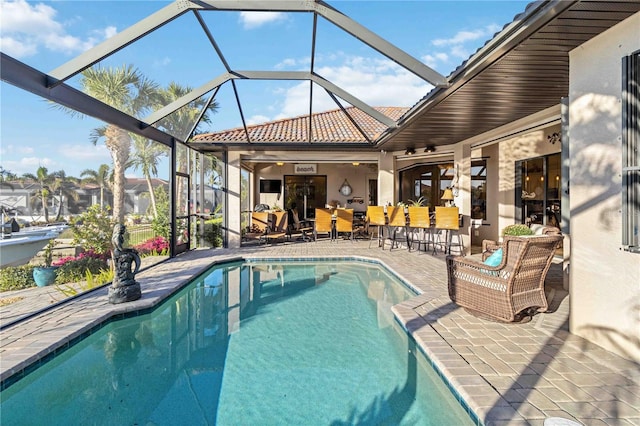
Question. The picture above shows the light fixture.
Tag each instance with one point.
(448, 197)
(410, 151)
(355, 164)
(280, 163)
(429, 148)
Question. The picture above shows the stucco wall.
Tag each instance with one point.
(336, 173)
(605, 280)
(527, 145)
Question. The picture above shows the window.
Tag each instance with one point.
(426, 181)
(538, 190)
(479, 189)
(631, 152)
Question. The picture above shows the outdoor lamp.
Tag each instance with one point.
(448, 197)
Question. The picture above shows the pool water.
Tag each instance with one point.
(247, 344)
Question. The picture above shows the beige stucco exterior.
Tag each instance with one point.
(605, 280)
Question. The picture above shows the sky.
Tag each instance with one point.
(47, 34)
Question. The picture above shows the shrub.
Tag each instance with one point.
(213, 232)
(76, 270)
(157, 246)
(16, 277)
(161, 224)
(517, 230)
(92, 229)
(84, 254)
(92, 281)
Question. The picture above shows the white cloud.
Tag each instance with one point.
(377, 82)
(250, 20)
(460, 47)
(257, 119)
(462, 37)
(28, 27)
(72, 158)
(293, 63)
(29, 165)
(85, 152)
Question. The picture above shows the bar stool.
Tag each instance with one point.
(396, 219)
(420, 223)
(375, 218)
(447, 221)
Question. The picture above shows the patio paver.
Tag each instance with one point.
(508, 374)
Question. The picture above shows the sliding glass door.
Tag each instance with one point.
(307, 192)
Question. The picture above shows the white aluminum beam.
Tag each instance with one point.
(121, 40)
(24, 77)
(381, 45)
(186, 99)
(329, 86)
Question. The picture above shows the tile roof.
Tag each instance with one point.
(328, 126)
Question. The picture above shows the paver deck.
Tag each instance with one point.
(508, 374)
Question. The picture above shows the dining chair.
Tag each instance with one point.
(375, 218)
(278, 224)
(420, 225)
(323, 223)
(396, 220)
(302, 229)
(344, 222)
(447, 223)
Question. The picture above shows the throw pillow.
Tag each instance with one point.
(494, 259)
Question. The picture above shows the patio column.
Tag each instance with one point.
(386, 178)
(232, 203)
(462, 162)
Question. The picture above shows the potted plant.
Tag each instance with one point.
(46, 274)
(517, 230)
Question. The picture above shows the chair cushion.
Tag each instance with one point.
(494, 259)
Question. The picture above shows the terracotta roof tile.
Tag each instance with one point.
(328, 127)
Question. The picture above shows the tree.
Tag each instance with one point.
(127, 90)
(181, 122)
(101, 177)
(146, 157)
(6, 175)
(64, 186)
(44, 180)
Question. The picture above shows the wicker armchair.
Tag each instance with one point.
(511, 290)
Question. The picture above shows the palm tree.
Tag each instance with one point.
(146, 157)
(64, 186)
(44, 181)
(127, 90)
(6, 177)
(100, 177)
(181, 121)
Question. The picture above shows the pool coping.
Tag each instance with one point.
(155, 293)
(422, 316)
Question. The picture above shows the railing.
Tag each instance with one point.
(140, 233)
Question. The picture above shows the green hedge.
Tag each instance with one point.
(16, 277)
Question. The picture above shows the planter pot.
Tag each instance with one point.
(44, 276)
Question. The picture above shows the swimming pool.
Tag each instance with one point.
(248, 343)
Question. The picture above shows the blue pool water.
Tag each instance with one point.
(247, 344)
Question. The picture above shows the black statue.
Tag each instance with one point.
(126, 262)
